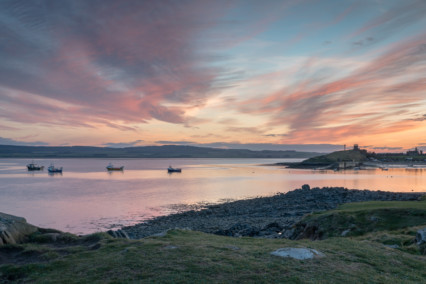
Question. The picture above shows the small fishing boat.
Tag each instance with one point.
(170, 169)
(111, 167)
(34, 167)
(53, 169)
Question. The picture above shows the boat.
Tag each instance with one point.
(53, 169)
(34, 167)
(111, 167)
(170, 169)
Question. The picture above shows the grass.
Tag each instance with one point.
(354, 219)
(195, 257)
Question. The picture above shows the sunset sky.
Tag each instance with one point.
(238, 74)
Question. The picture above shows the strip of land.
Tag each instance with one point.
(167, 151)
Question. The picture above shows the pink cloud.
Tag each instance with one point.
(309, 108)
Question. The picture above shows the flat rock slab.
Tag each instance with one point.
(14, 229)
(297, 253)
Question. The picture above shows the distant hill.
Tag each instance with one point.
(334, 160)
(339, 156)
(167, 151)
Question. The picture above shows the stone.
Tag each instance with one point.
(421, 236)
(306, 187)
(297, 253)
(14, 229)
(119, 234)
(392, 246)
(345, 232)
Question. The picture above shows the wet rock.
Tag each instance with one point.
(14, 229)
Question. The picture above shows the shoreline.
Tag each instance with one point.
(262, 217)
(362, 166)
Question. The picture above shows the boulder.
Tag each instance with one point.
(14, 229)
(421, 236)
(297, 253)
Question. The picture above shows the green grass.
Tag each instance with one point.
(358, 206)
(187, 256)
(195, 257)
(363, 217)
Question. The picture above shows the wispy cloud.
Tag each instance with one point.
(286, 72)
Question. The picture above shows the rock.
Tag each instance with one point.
(306, 187)
(374, 219)
(119, 234)
(14, 229)
(421, 236)
(345, 232)
(392, 246)
(297, 253)
(264, 217)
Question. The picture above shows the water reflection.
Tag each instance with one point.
(86, 198)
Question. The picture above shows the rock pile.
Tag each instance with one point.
(266, 217)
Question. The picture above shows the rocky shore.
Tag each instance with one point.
(266, 217)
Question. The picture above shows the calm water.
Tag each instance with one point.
(86, 198)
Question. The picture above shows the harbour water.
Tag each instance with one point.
(87, 198)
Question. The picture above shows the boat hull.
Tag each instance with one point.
(35, 168)
(115, 169)
(54, 170)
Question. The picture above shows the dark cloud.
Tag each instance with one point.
(367, 41)
(275, 135)
(8, 141)
(323, 148)
(423, 118)
(387, 148)
(123, 144)
(174, 142)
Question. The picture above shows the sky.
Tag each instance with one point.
(305, 75)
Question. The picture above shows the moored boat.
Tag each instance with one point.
(53, 169)
(111, 167)
(34, 167)
(170, 169)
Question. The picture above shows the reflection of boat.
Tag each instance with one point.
(52, 169)
(111, 167)
(170, 169)
(34, 167)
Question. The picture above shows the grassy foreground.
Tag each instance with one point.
(356, 219)
(188, 256)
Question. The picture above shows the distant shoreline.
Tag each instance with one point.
(363, 166)
(167, 151)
